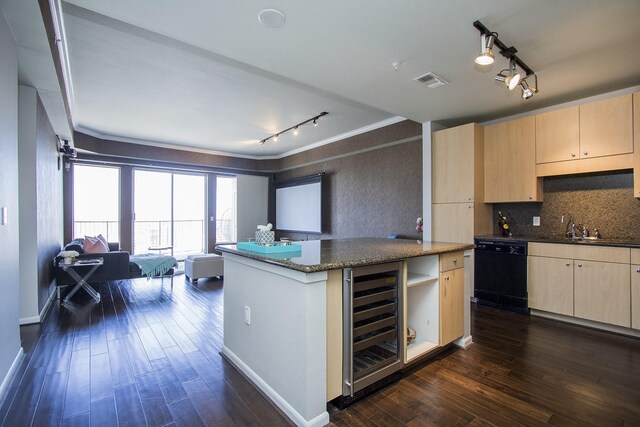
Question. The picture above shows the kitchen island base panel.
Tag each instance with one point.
(284, 348)
(282, 404)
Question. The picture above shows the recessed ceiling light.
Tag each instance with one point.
(272, 18)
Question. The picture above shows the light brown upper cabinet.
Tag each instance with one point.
(458, 211)
(636, 142)
(558, 135)
(510, 162)
(606, 127)
(593, 137)
(453, 155)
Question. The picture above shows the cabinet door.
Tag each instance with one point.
(602, 292)
(452, 162)
(636, 139)
(606, 127)
(451, 305)
(452, 222)
(635, 296)
(558, 135)
(550, 284)
(509, 162)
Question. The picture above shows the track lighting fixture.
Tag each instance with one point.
(512, 76)
(275, 136)
(486, 54)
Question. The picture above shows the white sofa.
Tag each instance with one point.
(203, 265)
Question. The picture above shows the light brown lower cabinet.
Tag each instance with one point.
(451, 305)
(602, 292)
(550, 283)
(635, 296)
(587, 282)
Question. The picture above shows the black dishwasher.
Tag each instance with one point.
(501, 273)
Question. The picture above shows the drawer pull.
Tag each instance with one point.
(637, 270)
(455, 260)
(585, 153)
(573, 154)
(579, 265)
(568, 264)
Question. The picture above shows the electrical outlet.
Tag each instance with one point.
(536, 221)
(247, 315)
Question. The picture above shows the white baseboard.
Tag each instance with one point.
(464, 342)
(39, 318)
(284, 406)
(6, 382)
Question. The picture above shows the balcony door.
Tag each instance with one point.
(169, 211)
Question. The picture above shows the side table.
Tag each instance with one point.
(81, 281)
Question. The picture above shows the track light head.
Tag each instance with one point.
(527, 89)
(315, 122)
(275, 138)
(502, 75)
(514, 76)
(295, 130)
(486, 55)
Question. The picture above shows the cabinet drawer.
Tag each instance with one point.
(580, 251)
(451, 260)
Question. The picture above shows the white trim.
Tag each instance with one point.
(6, 382)
(364, 129)
(278, 400)
(463, 342)
(43, 313)
(582, 101)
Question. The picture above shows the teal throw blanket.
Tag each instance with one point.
(154, 265)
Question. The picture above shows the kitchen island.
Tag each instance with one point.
(283, 313)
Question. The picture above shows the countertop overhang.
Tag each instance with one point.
(620, 243)
(323, 255)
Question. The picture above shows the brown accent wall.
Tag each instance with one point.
(49, 203)
(372, 186)
(604, 201)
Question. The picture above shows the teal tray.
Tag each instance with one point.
(276, 249)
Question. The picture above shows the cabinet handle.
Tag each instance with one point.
(579, 265)
(470, 206)
(637, 270)
(455, 260)
(585, 153)
(530, 197)
(567, 264)
(573, 154)
(446, 278)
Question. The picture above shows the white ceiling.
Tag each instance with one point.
(210, 76)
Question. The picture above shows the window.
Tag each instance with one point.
(96, 202)
(169, 212)
(226, 222)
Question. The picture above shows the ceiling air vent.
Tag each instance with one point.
(431, 80)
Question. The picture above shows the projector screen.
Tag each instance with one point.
(299, 205)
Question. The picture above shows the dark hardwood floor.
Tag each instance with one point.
(149, 355)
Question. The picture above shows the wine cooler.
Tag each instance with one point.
(373, 350)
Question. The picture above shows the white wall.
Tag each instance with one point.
(28, 205)
(10, 350)
(253, 204)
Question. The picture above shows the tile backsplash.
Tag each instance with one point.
(603, 201)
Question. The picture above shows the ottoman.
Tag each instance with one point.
(203, 265)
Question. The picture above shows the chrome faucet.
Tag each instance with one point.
(571, 233)
(585, 231)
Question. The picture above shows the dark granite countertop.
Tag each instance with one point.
(323, 255)
(620, 243)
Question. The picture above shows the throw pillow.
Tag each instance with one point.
(103, 240)
(93, 245)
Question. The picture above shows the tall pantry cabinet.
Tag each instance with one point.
(458, 211)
